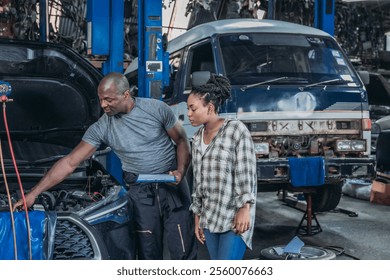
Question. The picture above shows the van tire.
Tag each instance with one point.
(307, 253)
(327, 197)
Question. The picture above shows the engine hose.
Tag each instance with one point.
(9, 202)
(19, 180)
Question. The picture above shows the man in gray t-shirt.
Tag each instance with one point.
(148, 122)
(148, 139)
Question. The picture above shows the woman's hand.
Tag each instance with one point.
(241, 222)
(199, 231)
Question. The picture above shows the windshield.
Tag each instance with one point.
(254, 58)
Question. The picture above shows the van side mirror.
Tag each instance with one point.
(365, 76)
(199, 78)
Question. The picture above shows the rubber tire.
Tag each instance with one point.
(383, 151)
(307, 253)
(327, 197)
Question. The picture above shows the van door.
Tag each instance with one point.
(198, 57)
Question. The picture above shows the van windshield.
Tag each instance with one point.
(253, 58)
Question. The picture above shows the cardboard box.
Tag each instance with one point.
(380, 193)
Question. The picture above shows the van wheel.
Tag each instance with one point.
(327, 197)
(307, 253)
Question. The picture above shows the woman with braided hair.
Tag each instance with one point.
(224, 166)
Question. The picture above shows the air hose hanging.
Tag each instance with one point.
(9, 202)
(5, 91)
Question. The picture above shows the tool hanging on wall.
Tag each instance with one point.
(5, 91)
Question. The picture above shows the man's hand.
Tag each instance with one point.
(178, 176)
(30, 199)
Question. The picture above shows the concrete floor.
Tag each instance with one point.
(365, 237)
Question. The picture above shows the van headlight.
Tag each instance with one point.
(261, 148)
(351, 145)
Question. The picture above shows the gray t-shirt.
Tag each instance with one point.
(138, 138)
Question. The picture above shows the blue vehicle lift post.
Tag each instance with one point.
(271, 9)
(43, 21)
(324, 15)
(153, 71)
(106, 37)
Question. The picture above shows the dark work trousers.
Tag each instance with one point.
(161, 213)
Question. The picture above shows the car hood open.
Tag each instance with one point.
(54, 94)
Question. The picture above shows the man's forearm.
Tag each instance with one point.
(183, 156)
(60, 170)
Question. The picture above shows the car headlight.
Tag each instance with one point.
(351, 145)
(261, 148)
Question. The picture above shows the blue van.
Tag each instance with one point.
(297, 92)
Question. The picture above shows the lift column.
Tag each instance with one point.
(152, 58)
(105, 19)
(324, 15)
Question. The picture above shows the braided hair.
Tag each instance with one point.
(216, 91)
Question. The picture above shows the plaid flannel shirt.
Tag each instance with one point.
(224, 178)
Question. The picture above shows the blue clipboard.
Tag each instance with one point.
(155, 178)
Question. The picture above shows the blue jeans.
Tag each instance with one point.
(225, 246)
